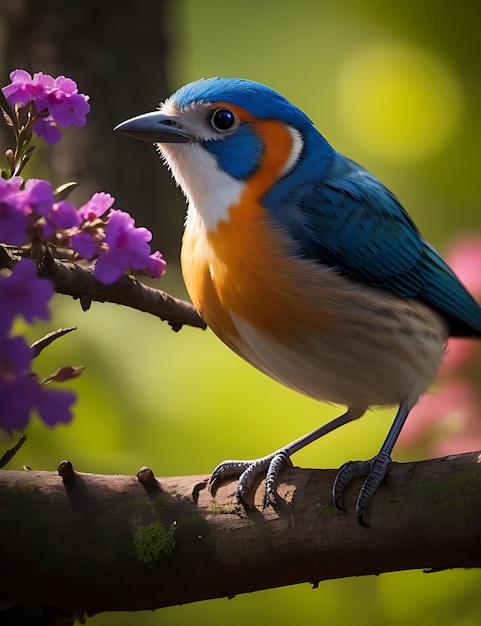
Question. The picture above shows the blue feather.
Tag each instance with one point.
(349, 220)
(261, 101)
(245, 144)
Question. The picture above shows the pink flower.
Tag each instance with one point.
(448, 421)
(97, 206)
(156, 265)
(24, 89)
(127, 249)
(84, 244)
(62, 216)
(37, 196)
(464, 257)
(45, 128)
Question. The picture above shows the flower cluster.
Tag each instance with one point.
(56, 102)
(29, 212)
(110, 236)
(32, 215)
(22, 294)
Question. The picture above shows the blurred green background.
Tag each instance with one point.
(396, 87)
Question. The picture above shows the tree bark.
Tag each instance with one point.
(86, 543)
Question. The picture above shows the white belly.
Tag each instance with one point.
(373, 358)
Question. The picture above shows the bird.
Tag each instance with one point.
(304, 264)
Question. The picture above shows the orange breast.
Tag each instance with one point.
(256, 278)
(247, 267)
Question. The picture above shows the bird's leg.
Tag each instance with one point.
(375, 469)
(271, 465)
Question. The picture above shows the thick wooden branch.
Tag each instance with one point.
(89, 543)
(81, 284)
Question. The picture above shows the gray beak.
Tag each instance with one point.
(154, 127)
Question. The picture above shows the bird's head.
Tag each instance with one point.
(219, 134)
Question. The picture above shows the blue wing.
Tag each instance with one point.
(351, 221)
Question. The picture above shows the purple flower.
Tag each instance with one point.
(16, 401)
(84, 244)
(15, 356)
(20, 391)
(13, 219)
(45, 84)
(156, 265)
(22, 293)
(13, 183)
(128, 248)
(46, 129)
(66, 106)
(16, 397)
(54, 405)
(24, 88)
(13, 225)
(98, 204)
(62, 217)
(59, 97)
(37, 196)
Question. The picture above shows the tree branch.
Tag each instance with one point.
(80, 283)
(89, 543)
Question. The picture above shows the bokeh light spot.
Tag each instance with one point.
(398, 101)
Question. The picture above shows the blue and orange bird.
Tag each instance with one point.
(304, 264)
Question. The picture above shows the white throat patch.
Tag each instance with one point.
(209, 190)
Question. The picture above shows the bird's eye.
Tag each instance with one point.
(223, 119)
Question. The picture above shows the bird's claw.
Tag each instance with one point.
(249, 473)
(374, 470)
(226, 470)
(279, 460)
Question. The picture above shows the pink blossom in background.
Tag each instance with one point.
(464, 257)
(442, 418)
(448, 420)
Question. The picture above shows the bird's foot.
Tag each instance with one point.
(375, 470)
(249, 474)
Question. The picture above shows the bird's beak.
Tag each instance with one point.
(154, 127)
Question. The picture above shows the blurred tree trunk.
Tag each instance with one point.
(117, 55)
